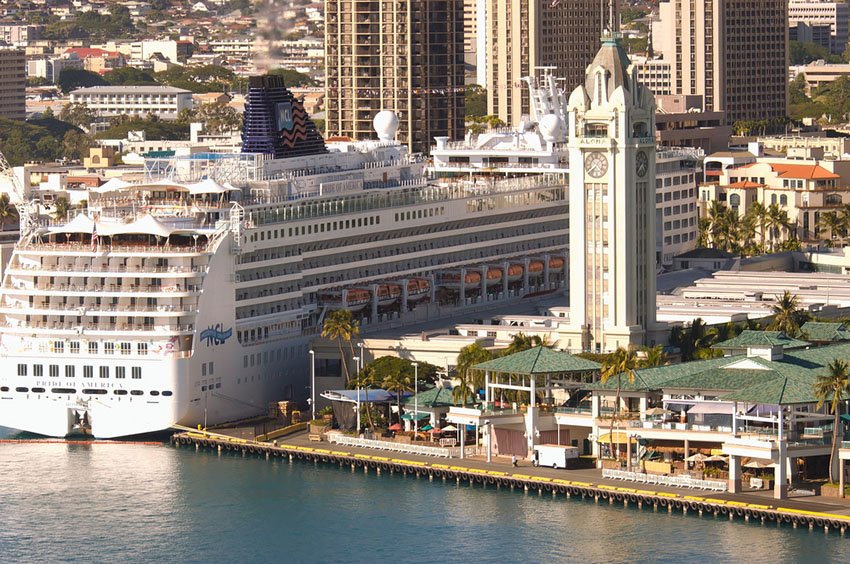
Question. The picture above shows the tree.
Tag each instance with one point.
(128, 76)
(475, 100)
(805, 52)
(8, 212)
(522, 342)
(219, 117)
(340, 325)
(654, 356)
(469, 356)
(620, 362)
(293, 78)
(787, 315)
(835, 224)
(61, 206)
(833, 388)
(71, 79)
(76, 145)
(77, 114)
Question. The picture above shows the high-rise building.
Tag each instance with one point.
(818, 13)
(732, 52)
(612, 206)
(396, 55)
(13, 83)
(523, 35)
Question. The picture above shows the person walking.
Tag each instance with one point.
(513, 460)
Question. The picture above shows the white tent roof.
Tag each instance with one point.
(111, 185)
(207, 186)
(147, 225)
(80, 224)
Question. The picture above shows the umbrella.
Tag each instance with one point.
(436, 430)
(449, 428)
(427, 428)
(396, 427)
(698, 457)
(717, 458)
(756, 463)
(656, 411)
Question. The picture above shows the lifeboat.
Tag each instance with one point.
(556, 262)
(418, 288)
(356, 300)
(494, 275)
(388, 294)
(515, 272)
(535, 268)
(451, 279)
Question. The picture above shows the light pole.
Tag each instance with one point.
(489, 425)
(415, 396)
(313, 384)
(357, 363)
(361, 357)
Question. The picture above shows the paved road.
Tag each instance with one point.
(803, 502)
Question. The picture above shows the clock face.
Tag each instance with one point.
(641, 163)
(596, 164)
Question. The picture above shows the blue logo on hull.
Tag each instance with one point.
(215, 335)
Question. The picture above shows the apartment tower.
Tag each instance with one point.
(525, 34)
(13, 83)
(732, 52)
(396, 55)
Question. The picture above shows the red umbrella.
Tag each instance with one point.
(396, 427)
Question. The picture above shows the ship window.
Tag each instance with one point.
(104, 372)
(120, 372)
(245, 361)
(63, 390)
(22, 370)
(126, 348)
(154, 393)
(54, 370)
(38, 390)
(92, 348)
(4, 389)
(88, 372)
(92, 391)
(109, 348)
(58, 346)
(166, 393)
(136, 393)
(136, 373)
(211, 369)
(75, 347)
(120, 392)
(142, 348)
(69, 371)
(37, 370)
(23, 390)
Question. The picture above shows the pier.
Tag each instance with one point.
(581, 484)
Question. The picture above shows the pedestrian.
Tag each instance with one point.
(513, 460)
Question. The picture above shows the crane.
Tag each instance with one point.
(27, 211)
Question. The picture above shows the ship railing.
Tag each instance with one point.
(391, 446)
(151, 289)
(80, 328)
(87, 268)
(86, 309)
(112, 248)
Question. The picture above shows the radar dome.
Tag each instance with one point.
(385, 124)
(550, 128)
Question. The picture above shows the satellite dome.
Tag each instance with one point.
(550, 127)
(385, 124)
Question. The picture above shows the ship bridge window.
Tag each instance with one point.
(93, 391)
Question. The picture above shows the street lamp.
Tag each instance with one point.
(357, 363)
(313, 384)
(415, 396)
(362, 357)
(489, 425)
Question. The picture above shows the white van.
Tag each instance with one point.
(555, 456)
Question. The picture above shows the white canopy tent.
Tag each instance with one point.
(80, 224)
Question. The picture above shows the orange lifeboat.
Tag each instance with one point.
(356, 299)
(515, 272)
(418, 288)
(388, 293)
(535, 268)
(451, 279)
(494, 275)
(556, 262)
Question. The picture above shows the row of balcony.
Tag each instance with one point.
(117, 288)
(80, 328)
(92, 309)
(95, 269)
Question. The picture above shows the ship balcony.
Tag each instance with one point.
(124, 250)
(46, 308)
(139, 290)
(95, 329)
(88, 269)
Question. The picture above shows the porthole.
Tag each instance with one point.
(167, 393)
(136, 393)
(154, 393)
(120, 392)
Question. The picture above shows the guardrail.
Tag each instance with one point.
(656, 479)
(391, 446)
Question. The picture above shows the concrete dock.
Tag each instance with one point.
(829, 514)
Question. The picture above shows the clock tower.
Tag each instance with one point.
(612, 206)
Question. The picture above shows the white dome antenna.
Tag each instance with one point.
(386, 125)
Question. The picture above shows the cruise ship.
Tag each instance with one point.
(191, 297)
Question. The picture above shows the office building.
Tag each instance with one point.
(815, 13)
(403, 57)
(108, 101)
(523, 36)
(734, 53)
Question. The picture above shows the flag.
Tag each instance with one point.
(94, 237)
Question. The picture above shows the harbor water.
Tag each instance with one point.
(157, 503)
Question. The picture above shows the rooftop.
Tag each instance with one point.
(749, 338)
(539, 360)
(131, 90)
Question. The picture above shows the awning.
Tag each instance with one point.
(619, 437)
(111, 185)
(208, 186)
(80, 224)
(147, 225)
(374, 396)
(717, 407)
(419, 416)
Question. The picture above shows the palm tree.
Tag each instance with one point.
(620, 362)
(759, 213)
(777, 222)
(833, 387)
(399, 381)
(341, 326)
(654, 356)
(787, 315)
(704, 225)
(522, 342)
(833, 222)
(7, 210)
(468, 357)
(62, 206)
